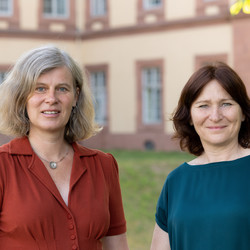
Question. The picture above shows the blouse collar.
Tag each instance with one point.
(22, 146)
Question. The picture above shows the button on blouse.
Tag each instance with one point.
(33, 214)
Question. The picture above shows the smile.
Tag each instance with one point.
(217, 127)
(50, 112)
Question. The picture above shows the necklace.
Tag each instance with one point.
(53, 164)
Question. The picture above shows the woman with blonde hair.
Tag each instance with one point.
(54, 193)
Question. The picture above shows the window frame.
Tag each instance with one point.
(10, 9)
(99, 93)
(4, 69)
(147, 5)
(95, 69)
(201, 6)
(2, 76)
(13, 18)
(68, 22)
(91, 20)
(151, 95)
(142, 13)
(141, 125)
(55, 15)
(92, 8)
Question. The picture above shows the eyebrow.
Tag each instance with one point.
(222, 100)
(58, 84)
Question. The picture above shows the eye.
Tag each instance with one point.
(40, 89)
(203, 106)
(62, 89)
(226, 104)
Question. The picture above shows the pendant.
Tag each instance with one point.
(53, 165)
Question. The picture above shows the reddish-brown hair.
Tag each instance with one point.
(231, 82)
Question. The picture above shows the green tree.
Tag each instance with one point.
(243, 5)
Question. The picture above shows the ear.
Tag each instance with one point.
(243, 118)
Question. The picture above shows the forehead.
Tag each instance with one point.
(56, 74)
(213, 90)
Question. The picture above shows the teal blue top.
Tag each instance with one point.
(207, 207)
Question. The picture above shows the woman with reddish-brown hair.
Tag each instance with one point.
(205, 203)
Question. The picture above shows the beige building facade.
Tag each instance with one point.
(138, 55)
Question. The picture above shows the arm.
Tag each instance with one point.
(115, 242)
(160, 239)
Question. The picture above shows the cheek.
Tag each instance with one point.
(28, 105)
(31, 105)
(194, 118)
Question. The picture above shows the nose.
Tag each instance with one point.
(51, 97)
(215, 114)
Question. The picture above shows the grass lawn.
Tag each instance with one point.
(142, 175)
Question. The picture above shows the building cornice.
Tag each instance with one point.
(122, 31)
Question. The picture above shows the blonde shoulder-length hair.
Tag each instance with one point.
(21, 81)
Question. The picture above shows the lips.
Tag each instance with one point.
(216, 127)
(50, 112)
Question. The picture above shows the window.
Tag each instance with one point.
(5, 7)
(146, 9)
(2, 76)
(57, 16)
(150, 109)
(97, 14)
(151, 95)
(99, 89)
(98, 8)
(55, 8)
(151, 4)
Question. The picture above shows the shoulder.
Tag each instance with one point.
(13, 149)
(99, 158)
(6, 159)
(246, 152)
(107, 159)
(177, 171)
(17, 146)
(5, 148)
(85, 152)
(173, 177)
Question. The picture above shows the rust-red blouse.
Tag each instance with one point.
(33, 214)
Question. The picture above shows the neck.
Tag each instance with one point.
(50, 146)
(212, 154)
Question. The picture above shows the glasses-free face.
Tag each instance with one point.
(216, 117)
(50, 105)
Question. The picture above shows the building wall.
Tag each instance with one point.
(179, 61)
(178, 38)
(121, 54)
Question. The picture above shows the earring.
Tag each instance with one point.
(74, 109)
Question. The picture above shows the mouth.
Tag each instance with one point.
(50, 112)
(216, 127)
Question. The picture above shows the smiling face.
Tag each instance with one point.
(50, 105)
(216, 117)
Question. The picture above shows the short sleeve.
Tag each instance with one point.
(2, 180)
(1, 190)
(117, 217)
(161, 215)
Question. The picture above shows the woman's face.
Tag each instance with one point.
(50, 105)
(216, 117)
